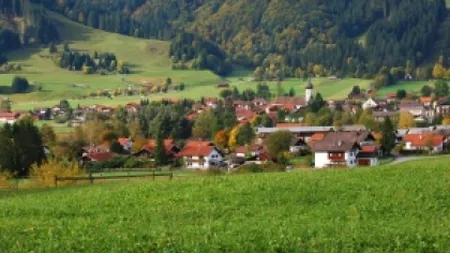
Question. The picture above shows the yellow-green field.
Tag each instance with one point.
(394, 208)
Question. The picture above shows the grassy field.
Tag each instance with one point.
(401, 208)
(414, 86)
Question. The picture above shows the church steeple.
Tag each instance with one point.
(309, 91)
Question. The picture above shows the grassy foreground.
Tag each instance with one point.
(387, 209)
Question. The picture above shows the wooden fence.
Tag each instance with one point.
(91, 178)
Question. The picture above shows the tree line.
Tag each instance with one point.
(97, 63)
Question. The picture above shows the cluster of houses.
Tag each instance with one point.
(347, 146)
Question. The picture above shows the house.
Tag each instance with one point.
(374, 104)
(244, 115)
(336, 150)
(96, 149)
(132, 107)
(304, 132)
(252, 151)
(223, 85)
(297, 145)
(289, 103)
(341, 149)
(442, 106)
(424, 141)
(169, 146)
(126, 143)
(413, 107)
(97, 157)
(261, 102)
(200, 155)
(381, 115)
(211, 102)
(426, 101)
(9, 117)
(368, 155)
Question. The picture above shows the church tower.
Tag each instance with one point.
(308, 91)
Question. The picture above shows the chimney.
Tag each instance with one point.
(339, 143)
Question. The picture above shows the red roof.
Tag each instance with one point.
(123, 141)
(98, 157)
(9, 115)
(423, 140)
(317, 137)
(368, 148)
(151, 144)
(133, 105)
(197, 148)
(245, 149)
(426, 99)
(264, 156)
(244, 114)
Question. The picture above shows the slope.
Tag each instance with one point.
(148, 58)
(389, 209)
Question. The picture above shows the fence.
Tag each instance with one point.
(92, 178)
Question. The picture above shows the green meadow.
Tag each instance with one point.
(396, 208)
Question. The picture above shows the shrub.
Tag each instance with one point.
(133, 163)
(5, 181)
(249, 168)
(46, 173)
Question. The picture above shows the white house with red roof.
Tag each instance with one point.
(9, 117)
(126, 143)
(200, 155)
(424, 141)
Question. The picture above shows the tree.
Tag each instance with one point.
(160, 150)
(116, 147)
(441, 88)
(52, 48)
(245, 135)
(48, 135)
(19, 85)
(426, 91)
(64, 105)
(278, 142)
(5, 105)
(367, 120)
(20, 147)
(226, 93)
(202, 126)
(446, 121)
(406, 120)
(310, 119)
(221, 139)
(438, 71)
(232, 140)
(355, 90)
(292, 92)
(182, 86)
(388, 136)
(401, 94)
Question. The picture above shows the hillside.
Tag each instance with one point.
(289, 36)
(148, 59)
(388, 209)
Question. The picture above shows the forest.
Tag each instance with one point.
(284, 37)
(24, 22)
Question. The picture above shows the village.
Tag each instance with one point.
(321, 146)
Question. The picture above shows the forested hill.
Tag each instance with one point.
(283, 37)
(24, 22)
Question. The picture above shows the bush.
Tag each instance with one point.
(249, 168)
(133, 163)
(5, 181)
(46, 173)
(214, 171)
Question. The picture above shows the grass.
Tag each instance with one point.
(387, 209)
(411, 86)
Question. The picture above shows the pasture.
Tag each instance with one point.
(402, 208)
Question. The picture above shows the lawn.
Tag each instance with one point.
(411, 86)
(401, 208)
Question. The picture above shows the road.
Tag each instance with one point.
(402, 159)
